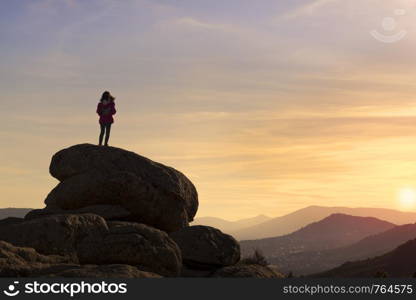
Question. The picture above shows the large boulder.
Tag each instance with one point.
(134, 244)
(26, 262)
(108, 212)
(89, 239)
(205, 247)
(145, 203)
(56, 234)
(104, 271)
(152, 193)
(23, 261)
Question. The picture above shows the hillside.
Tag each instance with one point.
(289, 223)
(230, 226)
(309, 262)
(335, 231)
(13, 212)
(401, 262)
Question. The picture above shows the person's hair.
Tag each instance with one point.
(106, 96)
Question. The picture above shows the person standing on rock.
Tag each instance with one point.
(106, 109)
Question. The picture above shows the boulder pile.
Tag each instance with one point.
(115, 213)
(118, 184)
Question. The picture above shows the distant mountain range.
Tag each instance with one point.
(323, 241)
(401, 262)
(300, 218)
(334, 231)
(308, 262)
(230, 226)
(13, 212)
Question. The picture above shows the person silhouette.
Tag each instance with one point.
(106, 109)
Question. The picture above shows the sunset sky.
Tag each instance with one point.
(267, 106)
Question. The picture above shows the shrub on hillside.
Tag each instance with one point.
(257, 258)
(381, 274)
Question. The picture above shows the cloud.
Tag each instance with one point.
(195, 23)
(306, 9)
(255, 113)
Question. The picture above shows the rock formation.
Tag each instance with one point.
(152, 193)
(134, 244)
(118, 214)
(26, 262)
(205, 248)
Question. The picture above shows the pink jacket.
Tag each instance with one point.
(106, 112)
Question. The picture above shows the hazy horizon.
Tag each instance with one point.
(281, 215)
(267, 106)
(265, 215)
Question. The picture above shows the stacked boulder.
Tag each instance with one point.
(205, 250)
(115, 213)
(121, 185)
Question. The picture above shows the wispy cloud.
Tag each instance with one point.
(199, 24)
(262, 116)
(194, 23)
(307, 9)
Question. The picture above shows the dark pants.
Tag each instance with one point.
(105, 128)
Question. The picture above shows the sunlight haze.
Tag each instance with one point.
(267, 106)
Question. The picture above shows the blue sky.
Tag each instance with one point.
(260, 103)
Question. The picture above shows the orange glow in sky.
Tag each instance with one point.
(267, 106)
